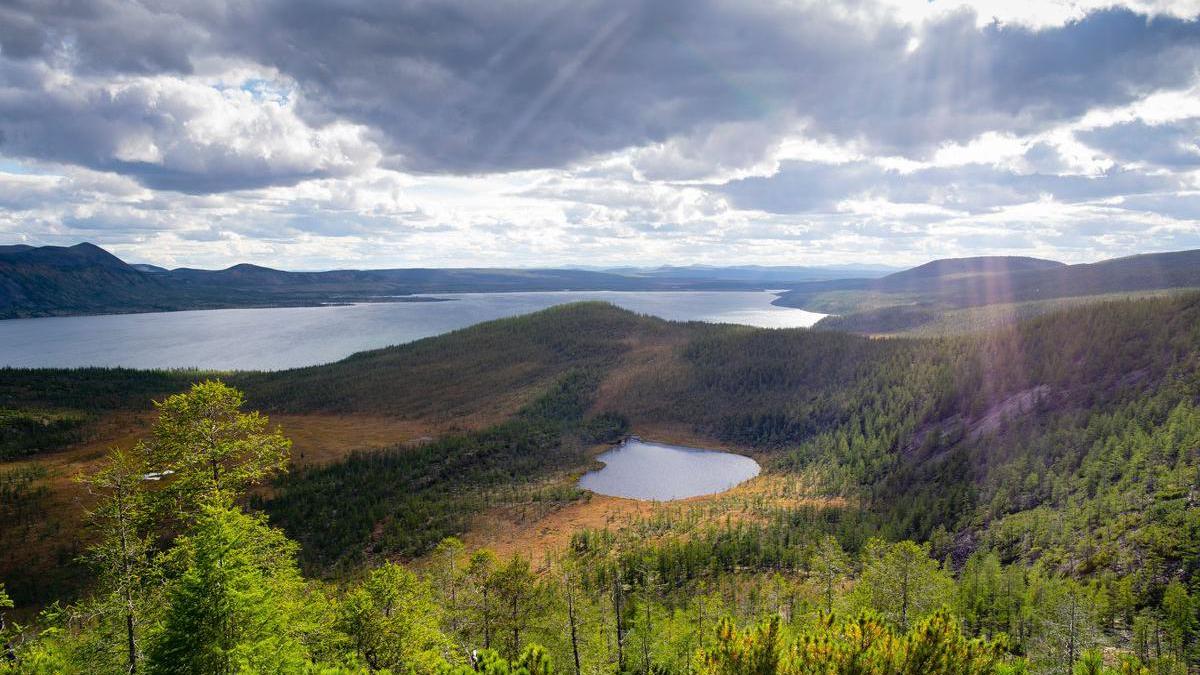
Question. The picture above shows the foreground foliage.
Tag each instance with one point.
(193, 583)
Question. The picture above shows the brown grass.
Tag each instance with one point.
(41, 552)
(537, 531)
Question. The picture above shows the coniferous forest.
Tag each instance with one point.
(1017, 500)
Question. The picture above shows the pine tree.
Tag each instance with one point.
(122, 554)
(392, 620)
(1179, 616)
(447, 578)
(208, 450)
(480, 571)
(231, 609)
(829, 564)
(901, 582)
(522, 600)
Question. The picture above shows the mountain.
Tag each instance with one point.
(938, 271)
(926, 294)
(80, 279)
(85, 279)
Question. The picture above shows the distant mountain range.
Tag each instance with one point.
(968, 282)
(86, 279)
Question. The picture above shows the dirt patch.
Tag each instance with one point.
(515, 531)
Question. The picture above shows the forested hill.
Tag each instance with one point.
(948, 437)
(938, 271)
(957, 295)
(85, 279)
(989, 280)
(1046, 467)
(76, 280)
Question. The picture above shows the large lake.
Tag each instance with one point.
(277, 338)
(655, 471)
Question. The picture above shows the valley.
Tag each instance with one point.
(995, 444)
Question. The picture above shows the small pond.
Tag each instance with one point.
(638, 469)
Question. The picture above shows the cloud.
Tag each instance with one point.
(1175, 144)
(801, 187)
(664, 130)
(173, 134)
(466, 87)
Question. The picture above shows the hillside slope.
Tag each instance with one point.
(927, 436)
(80, 279)
(959, 440)
(927, 294)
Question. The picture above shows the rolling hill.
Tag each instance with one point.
(924, 295)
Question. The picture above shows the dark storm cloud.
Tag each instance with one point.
(102, 36)
(466, 87)
(493, 86)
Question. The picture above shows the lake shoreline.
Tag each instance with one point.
(659, 472)
(280, 338)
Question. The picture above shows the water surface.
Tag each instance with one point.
(655, 471)
(288, 337)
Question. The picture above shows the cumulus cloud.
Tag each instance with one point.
(171, 133)
(801, 187)
(655, 128)
(466, 87)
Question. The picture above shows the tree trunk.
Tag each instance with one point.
(829, 593)
(487, 620)
(126, 581)
(646, 641)
(620, 626)
(132, 646)
(516, 627)
(571, 619)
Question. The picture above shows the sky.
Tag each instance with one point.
(453, 133)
